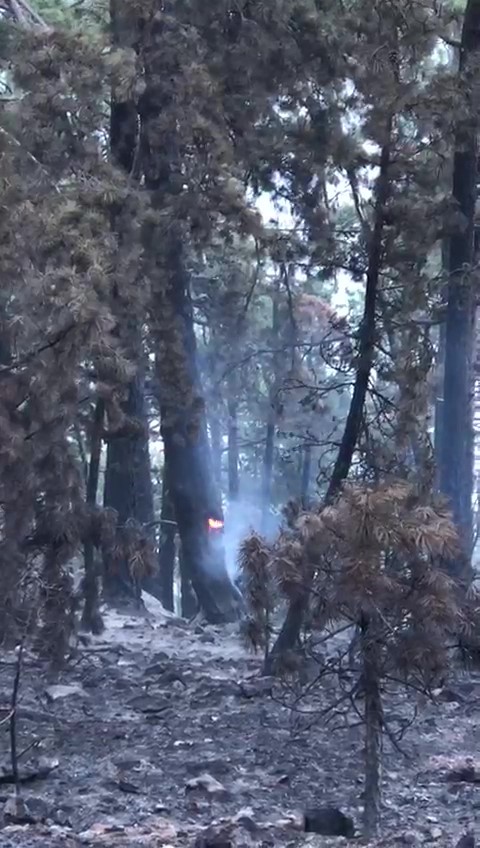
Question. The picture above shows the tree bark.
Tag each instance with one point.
(306, 471)
(128, 484)
(456, 454)
(188, 598)
(289, 635)
(161, 584)
(91, 618)
(216, 444)
(233, 470)
(269, 454)
(194, 493)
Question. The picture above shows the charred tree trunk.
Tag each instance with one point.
(188, 598)
(456, 454)
(269, 455)
(440, 371)
(233, 471)
(194, 493)
(91, 617)
(216, 444)
(289, 635)
(128, 484)
(161, 584)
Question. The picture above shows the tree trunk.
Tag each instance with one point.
(456, 454)
(373, 728)
(161, 585)
(233, 471)
(128, 486)
(216, 444)
(91, 617)
(289, 635)
(189, 603)
(269, 455)
(306, 471)
(194, 493)
(267, 468)
(440, 371)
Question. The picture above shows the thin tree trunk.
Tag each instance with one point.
(188, 599)
(373, 728)
(267, 468)
(233, 470)
(456, 454)
(216, 444)
(91, 618)
(440, 370)
(306, 471)
(161, 584)
(269, 455)
(289, 635)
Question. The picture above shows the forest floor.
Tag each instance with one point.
(159, 733)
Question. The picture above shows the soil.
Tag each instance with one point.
(163, 733)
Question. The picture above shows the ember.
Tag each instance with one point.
(215, 524)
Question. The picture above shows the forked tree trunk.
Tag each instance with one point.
(456, 453)
(289, 635)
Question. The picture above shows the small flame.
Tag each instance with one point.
(215, 524)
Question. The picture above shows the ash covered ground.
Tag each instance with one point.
(164, 733)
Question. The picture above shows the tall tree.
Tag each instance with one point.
(193, 489)
(128, 485)
(455, 458)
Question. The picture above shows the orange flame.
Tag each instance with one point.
(215, 524)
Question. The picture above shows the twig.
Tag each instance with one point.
(13, 719)
(35, 744)
(24, 360)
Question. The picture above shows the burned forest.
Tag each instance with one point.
(239, 423)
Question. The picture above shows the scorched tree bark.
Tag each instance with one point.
(194, 492)
(455, 457)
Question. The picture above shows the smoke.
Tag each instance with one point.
(241, 518)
